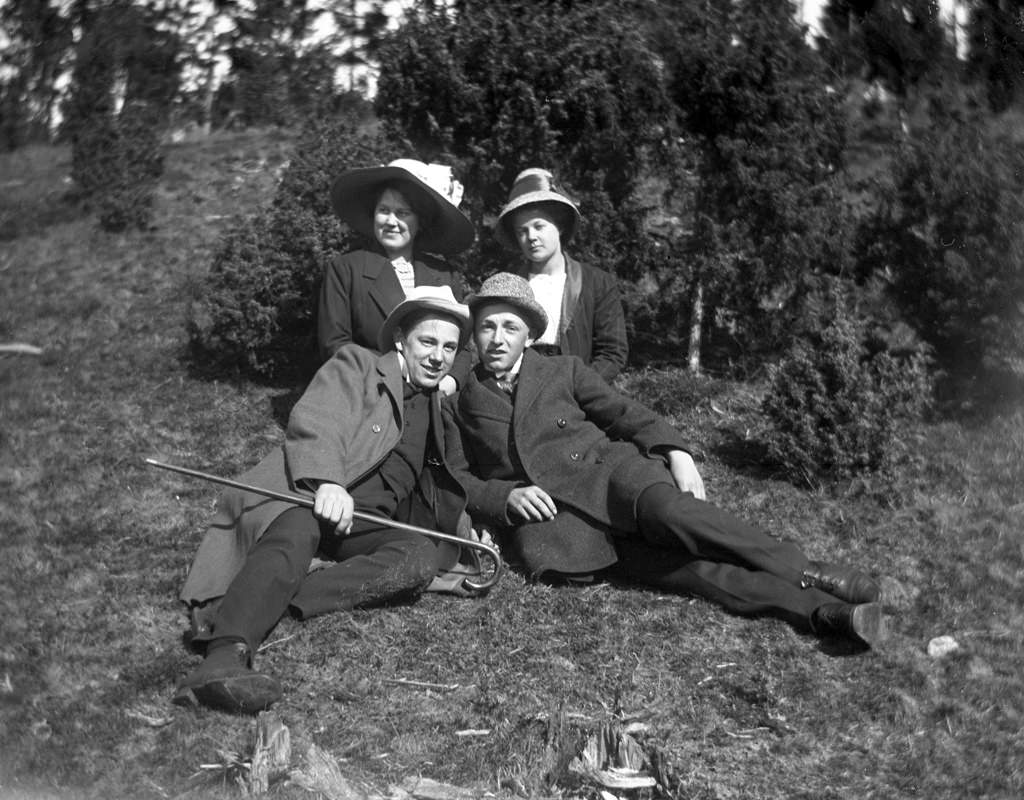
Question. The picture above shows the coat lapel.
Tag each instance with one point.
(482, 400)
(570, 298)
(390, 372)
(385, 290)
(533, 378)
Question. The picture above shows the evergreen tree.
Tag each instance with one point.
(37, 52)
(770, 139)
(124, 79)
(496, 87)
(948, 240)
(996, 34)
(898, 44)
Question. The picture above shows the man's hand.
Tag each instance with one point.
(448, 385)
(685, 474)
(531, 503)
(335, 505)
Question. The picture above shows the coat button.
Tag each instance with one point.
(375, 428)
(561, 423)
(574, 456)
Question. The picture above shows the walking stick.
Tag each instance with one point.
(301, 500)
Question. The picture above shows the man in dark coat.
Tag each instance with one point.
(581, 477)
(366, 435)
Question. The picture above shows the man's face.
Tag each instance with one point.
(537, 234)
(429, 348)
(501, 335)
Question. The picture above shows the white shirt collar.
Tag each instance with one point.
(513, 371)
(403, 366)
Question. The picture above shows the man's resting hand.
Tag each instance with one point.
(685, 474)
(335, 505)
(530, 502)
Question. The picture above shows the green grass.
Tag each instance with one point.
(94, 547)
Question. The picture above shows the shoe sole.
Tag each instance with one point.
(868, 624)
(248, 694)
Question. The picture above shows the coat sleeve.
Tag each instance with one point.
(316, 444)
(620, 417)
(334, 312)
(485, 499)
(610, 346)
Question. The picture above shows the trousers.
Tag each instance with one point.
(690, 546)
(374, 564)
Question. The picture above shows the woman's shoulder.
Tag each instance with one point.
(359, 256)
(435, 261)
(589, 272)
(358, 262)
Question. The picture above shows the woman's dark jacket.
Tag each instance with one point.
(593, 325)
(360, 289)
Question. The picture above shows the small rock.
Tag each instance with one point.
(942, 646)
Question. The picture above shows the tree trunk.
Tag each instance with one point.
(696, 323)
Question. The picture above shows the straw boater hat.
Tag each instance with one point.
(504, 287)
(435, 298)
(355, 193)
(536, 186)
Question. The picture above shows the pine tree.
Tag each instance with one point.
(770, 139)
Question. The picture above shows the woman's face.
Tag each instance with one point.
(395, 224)
(537, 233)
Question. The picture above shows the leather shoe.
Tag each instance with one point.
(226, 680)
(846, 583)
(861, 623)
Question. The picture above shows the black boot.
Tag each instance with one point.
(226, 680)
(846, 583)
(862, 623)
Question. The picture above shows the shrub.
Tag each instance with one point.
(128, 161)
(835, 407)
(948, 239)
(116, 159)
(496, 87)
(256, 310)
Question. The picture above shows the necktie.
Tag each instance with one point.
(507, 384)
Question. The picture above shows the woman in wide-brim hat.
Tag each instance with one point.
(410, 211)
(582, 303)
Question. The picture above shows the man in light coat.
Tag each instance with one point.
(580, 477)
(366, 435)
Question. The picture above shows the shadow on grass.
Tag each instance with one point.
(32, 216)
(746, 456)
(975, 398)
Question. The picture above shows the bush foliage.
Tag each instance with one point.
(256, 310)
(496, 87)
(116, 159)
(948, 239)
(837, 407)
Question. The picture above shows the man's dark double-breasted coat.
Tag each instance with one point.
(588, 446)
(600, 456)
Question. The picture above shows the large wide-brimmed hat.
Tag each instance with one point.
(536, 186)
(434, 298)
(354, 195)
(505, 287)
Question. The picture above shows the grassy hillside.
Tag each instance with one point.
(495, 695)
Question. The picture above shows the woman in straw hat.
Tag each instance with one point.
(582, 303)
(409, 209)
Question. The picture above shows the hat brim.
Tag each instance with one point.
(394, 320)
(534, 314)
(502, 228)
(354, 193)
